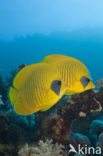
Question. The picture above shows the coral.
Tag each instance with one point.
(15, 130)
(96, 128)
(57, 122)
(100, 141)
(75, 119)
(90, 126)
(52, 126)
(7, 150)
(1, 102)
(43, 149)
(90, 130)
(99, 83)
(3, 90)
(82, 124)
(81, 139)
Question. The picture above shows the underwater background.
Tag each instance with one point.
(85, 44)
(29, 31)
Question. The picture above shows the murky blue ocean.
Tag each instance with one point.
(84, 44)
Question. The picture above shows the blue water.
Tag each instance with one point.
(85, 45)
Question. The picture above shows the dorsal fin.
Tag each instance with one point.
(56, 58)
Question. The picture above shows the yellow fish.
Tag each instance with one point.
(36, 87)
(73, 72)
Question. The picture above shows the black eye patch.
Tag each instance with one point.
(84, 80)
(56, 86)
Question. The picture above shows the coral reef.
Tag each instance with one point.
(81, 139)
(76, 119)
(56, 123)
(15, 130)
(99, 83)
(43, 149)
(96, 128)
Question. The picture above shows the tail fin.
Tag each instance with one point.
(12, 95)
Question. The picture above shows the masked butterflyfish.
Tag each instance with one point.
(72, 71)
(36, 87)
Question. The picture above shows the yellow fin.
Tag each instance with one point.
(55, 58)
(12, 95)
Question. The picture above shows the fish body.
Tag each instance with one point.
(72, 71)
(36, 87)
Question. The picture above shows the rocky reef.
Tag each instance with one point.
(76, 119)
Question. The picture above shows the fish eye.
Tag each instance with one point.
(85, 81)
